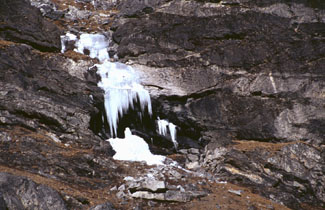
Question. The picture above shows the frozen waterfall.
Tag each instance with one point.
(122, 90)
(119, 81)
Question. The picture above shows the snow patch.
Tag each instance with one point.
(134, 148)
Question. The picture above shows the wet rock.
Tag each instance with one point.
(22, 193)
(20, 22)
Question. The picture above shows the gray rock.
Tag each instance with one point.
(236, 192)
(193, 165)
(5, 137)
(105, 206)
(149, 184)
(121, 188)
(178, 196)
(194, 151)
(22, 193)
(148, 195)
(183, 151)
(193, 158)
(76, 14)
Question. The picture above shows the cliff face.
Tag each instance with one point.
(243, 80)
(249, 73)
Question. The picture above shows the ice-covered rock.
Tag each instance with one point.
(95, 45)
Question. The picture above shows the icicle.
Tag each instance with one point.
(121, 87)
(162, 127)
(172, 130)
(162, 130)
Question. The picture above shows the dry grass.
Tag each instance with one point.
(225, 200)
(76, 56)
(249, 146)
(5, 44)
(94, 197)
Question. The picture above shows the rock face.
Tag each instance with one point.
(21, 193)
(36, 90)
(243, 80)
(241, 70)
(18, 20)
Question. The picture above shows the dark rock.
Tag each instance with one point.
(22, 193)
(40, 89)
(20, 22)
(136, 8)
(2, 202)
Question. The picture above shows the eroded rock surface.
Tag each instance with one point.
(243, 81)
(21, 193)
(18, 20)
(240, 70)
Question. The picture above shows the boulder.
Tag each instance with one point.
(151, 185)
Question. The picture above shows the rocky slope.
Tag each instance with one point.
(243, 80)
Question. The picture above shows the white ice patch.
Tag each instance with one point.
(134, 148)
(119, 81)
(65, 38)
(97, 45)
(162, 130)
